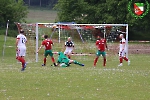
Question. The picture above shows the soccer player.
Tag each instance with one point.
(48, 49)
(64, 61)
(101, 45)
(122, 50)
(21, 49)
(69, 45)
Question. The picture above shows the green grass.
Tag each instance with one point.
(41, 16)
(75, 82)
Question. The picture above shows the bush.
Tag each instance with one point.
(11, 33)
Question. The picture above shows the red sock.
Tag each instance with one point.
(69, 57)
(21, 60)
(45, 61)
(53, 60)
(95, 61)
(125, 58)
(121, 59)
(104, 62)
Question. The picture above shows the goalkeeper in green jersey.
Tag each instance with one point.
(64, 61)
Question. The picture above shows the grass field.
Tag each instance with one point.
(41, 16)
(75, 82)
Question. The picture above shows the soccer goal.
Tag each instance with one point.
(83, 36)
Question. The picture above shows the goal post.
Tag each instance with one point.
(78, 26)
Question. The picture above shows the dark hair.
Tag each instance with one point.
(21, 31)
(45, 36)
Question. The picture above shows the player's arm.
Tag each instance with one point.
(123, 46)
(97, 46)
(106, 45)
(17, 41)
(40, 48)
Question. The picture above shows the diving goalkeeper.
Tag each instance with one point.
(64, 61)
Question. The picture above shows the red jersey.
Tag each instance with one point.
(101, 44)
(48, 44)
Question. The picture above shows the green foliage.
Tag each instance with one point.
(103, 11)
(13, 11)
(11, 33)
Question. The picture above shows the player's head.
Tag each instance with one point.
(45, 36)
(69, 38)
(98, 37)
(121, 36)
(21, 32)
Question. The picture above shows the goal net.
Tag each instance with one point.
(83, 36)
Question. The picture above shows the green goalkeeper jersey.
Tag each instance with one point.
(62, 58)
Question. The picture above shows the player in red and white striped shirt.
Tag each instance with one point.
(122, 50)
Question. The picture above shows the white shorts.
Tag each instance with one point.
(21, 51)
(122, 53)
(68, 50)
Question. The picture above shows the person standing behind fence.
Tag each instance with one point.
(69, 45)
(48, 49)
(101, 45)
(21, 49)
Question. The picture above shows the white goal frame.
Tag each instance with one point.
(37, 32)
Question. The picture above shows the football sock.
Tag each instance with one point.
(44, 61)
(121, 59)
(125, 58)
(104, 62)
(22, 61)
(53, 60)
(69, 56)
(95, 61)
(75, 62)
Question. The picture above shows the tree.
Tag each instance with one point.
(12, 10)
(103, 11)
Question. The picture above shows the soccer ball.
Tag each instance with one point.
(54, 26)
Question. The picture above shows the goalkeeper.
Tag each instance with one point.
(64, 61)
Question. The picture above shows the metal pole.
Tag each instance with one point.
(5, 38)
(37, 38)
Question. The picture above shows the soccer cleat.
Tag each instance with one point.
(55, 64)
(81, 64)
(120, 65)
(128, 62)
(22, 69)
(43, 65)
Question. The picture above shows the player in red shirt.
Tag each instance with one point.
(101, 45)
(48, 49)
